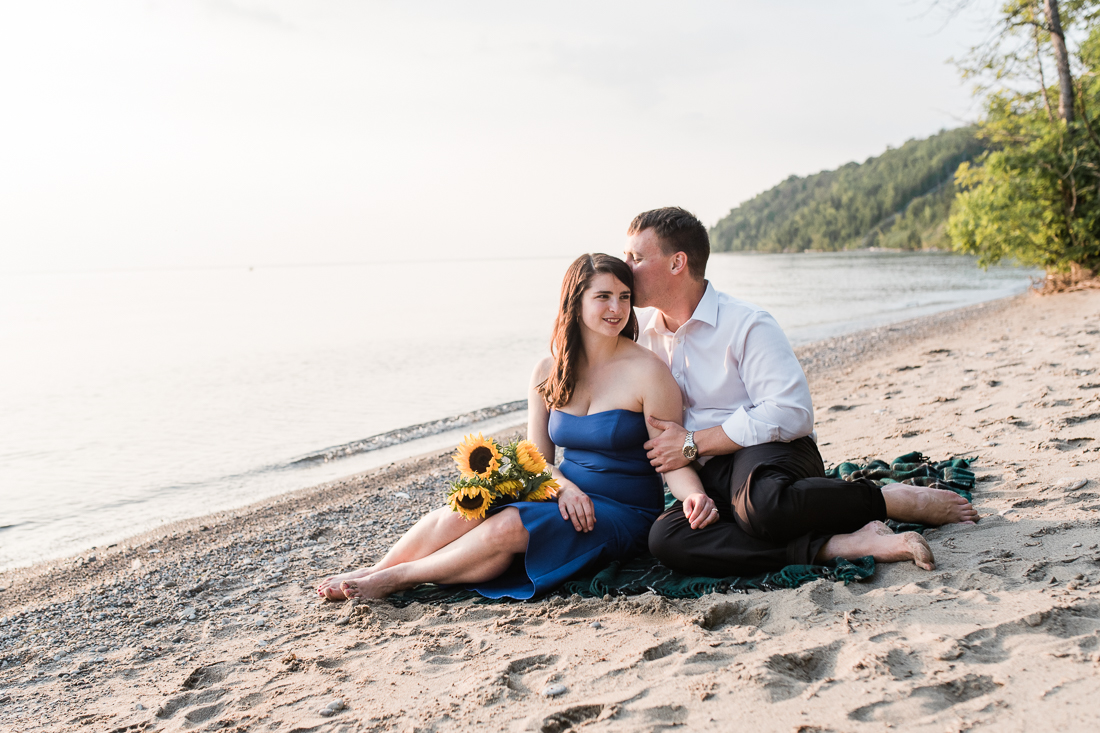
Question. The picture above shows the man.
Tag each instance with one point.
(748, 423)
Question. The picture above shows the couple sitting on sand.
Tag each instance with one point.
(698, 387)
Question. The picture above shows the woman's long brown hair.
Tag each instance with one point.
(565, 344)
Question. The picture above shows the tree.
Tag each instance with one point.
(899, 199)
(1034, 197)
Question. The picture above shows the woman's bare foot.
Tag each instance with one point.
(375, 585)
(878, 541)
(329, 588)
(927, 505)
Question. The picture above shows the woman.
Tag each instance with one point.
(592, 396)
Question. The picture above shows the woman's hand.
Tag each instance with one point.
(700, 510)
(575, 506)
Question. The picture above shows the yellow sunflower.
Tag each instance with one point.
(477, 457)
(548, 489)
(470, 501)
(529, 458)
(510, 487)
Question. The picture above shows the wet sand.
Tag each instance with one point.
(211, 624)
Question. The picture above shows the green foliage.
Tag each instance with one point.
(1034, 197)
(899, 199)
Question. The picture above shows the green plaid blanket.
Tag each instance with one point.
(645, 573)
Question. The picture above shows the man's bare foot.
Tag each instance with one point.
(329, 588)
(927, 505)
(876, 527)
(376, 585)
(878, 541)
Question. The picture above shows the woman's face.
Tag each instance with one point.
(605, 305)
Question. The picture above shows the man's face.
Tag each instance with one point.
(651, 266)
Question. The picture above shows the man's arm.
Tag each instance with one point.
(666, 451)
(781, 408)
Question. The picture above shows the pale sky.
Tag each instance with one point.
(165, 133)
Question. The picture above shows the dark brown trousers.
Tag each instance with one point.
(775, 508)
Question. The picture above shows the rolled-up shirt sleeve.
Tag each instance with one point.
(781, 408)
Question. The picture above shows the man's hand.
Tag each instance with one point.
(575, 506)
(666, 451)
(700, 511)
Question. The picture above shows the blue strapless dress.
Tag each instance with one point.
(604, 457)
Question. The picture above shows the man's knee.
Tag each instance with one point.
(664, 536)
(761, 508)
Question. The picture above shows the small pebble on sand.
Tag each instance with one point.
(326, 712)
(335, 705)
(596, 625)
(553, 690)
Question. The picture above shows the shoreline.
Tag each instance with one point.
(409, 442)
(817, 358)
(825, 355)
(209, 622)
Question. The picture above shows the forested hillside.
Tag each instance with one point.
(901, 199)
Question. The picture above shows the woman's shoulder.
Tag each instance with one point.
(644, 361)
(542, 369)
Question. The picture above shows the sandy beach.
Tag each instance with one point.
(212, 624)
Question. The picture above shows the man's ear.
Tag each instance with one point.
(679, 263)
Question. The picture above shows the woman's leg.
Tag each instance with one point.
(477, 556)
(434, 530)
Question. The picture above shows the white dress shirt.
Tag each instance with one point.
(735, 368)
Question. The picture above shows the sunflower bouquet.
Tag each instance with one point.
(492, 475)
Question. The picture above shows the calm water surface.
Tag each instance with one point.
(129, 399)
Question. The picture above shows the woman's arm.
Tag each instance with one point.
(538, 416)
(661, 399)
(574, 504)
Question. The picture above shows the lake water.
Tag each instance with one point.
(130, 399)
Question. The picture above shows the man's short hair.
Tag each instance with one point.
(678, 231)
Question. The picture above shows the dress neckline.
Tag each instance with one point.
(601, 412)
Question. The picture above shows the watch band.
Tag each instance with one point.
(690, 450)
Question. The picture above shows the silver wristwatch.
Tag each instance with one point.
(690, 449)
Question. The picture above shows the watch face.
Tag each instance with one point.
(690, 451)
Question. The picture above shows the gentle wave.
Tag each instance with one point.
(402, 435)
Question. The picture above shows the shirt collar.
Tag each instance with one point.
(707, 310)
(651, 319)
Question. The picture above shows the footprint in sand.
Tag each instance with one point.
(570, 718)
(790, 673)
(736, 614)
(514, 673)
(202, 701)
(662, 650)
(927, 700)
